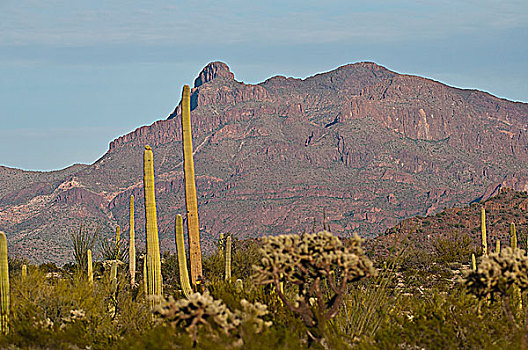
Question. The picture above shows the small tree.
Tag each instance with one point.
(320, 265)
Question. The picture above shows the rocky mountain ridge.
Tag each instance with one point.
(368, 145)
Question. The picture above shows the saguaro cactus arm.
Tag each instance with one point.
(193, 226)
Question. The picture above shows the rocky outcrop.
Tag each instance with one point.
(212, 71)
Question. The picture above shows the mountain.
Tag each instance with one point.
(368, 146)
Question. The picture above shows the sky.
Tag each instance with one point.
(74, 75)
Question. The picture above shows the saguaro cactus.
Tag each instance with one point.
(221, 243)
(513, 236)
(113, 289)
(145, 282)
(513, 242)
(228, 258)
(117, 239)
(90, 267)
(4, 284)
(193, 226)
(153, 252)
(132, 245)
(182, 259)
(483, 232)
(113, 276)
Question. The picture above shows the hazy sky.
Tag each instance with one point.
(74, 75)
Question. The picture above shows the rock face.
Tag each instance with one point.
(212, 71)
(368, 146)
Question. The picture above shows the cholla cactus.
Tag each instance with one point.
(252, 314)
(198, 310)
(498, 273)
(309, 261)
(201, 310)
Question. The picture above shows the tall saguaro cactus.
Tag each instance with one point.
(193, 226)
(4, 284)
(153, 250)
(132, 245)
(182, 259)
(483, 232)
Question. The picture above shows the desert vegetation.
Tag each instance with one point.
(311, 290)
(292, 291)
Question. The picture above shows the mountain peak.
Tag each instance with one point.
(212, 71)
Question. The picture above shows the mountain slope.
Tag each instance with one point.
(368, 145)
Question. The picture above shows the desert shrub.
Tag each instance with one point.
(455, 247)
(445, 321)
(369, 303)
(415, 257)
(68, 312)
(171, 274)
(83, 240)
(244, 255)
(15, 265)
(111, 250)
